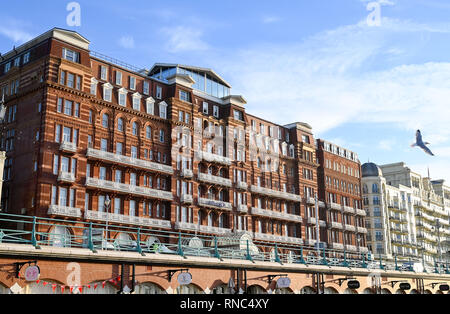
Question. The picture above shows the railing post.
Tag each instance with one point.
(411, 268)
(396, 264)
(302, 260)
(344, 263)
(216, 250)
(90, 242)
(138, 240)
(364, 264)
(277, 258)
(249, 257)
(381, 262)
(33, 234)
(180, 248)
(324, 260)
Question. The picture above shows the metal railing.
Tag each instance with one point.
(94, 236)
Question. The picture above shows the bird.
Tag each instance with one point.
(420, 143)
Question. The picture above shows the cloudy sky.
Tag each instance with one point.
(364, 74)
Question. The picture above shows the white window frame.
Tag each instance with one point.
(107, 88)
(146, 88)
(205, 107)
(132, 83)
(137, 101)
(150, 105)
(103, 73)
(216, 111)
(163, 110)
(118, 78)
(158, 92)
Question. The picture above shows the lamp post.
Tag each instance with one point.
(107, 206)
(317, 224)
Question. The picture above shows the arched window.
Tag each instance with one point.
(149, 288)
(255, 289)
(120, 124)
(105, 120)
(375, 188)
(189, 289)
(148, 132)
(60, 237)
(124, 241)
(97, 288)
(135, 128)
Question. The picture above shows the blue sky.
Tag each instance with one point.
(366, 87)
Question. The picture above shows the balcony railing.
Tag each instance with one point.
(276, 238)
(242, 208)
(275, 193)
(242, 185)
(125, 219)
(64, 211)
(351, 248)
(334, 206)
(186, 199)
(348, 209)
(361, 230)
(310, 200)
(200, 228)
(311, 220)
(186, 173)
(204, 177)
(128, 189)
(205, 202)
(214, 158)
(348, 227)
(336, 246)
(361, 212)
(275, 214)
(68, 147)
(128, 161)
(335, 225)
(66, 177)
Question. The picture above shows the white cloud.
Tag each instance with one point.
(15, 34)
(126, 42)
(270, 19)
(183, 38)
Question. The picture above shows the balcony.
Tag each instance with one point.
(275, 193)
(336, 246)
(242, 208)
(348, 209)
(242, 185)
(351, 248)
(128, 161)
(361, 212)
(275, 214)
(205, 202)
(349, 228)
(310, 200)
(214, 158)
(68, 147)
(125, 219)
(310, 242)
(66, 177)
(334, 206)
(361, 230)
(64, 211)
(276, 238)
(186, 199)
(335, 225)
(186, 173)
(208, 178)
(179, 225)
(363, 249)
(311, 220)
(128, 189)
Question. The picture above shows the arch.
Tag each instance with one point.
(386, 291)
(149, 288)
(60, 236)
(135, 127)
(427, 292)
(124, 241)
(40, 288)
(375, 188)
(307, 290)
(330, 290)
(368, 291)
(222, 289)
(350, 291)
(414, 291)
(283, 291)
(439, 292)
(256, 289)
(189, 289)
(400, 291)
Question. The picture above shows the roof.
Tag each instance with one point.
(371, 170)
(193, 68)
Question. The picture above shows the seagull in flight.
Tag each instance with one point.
(422, 144)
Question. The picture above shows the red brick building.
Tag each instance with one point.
(339, 177)
(168, 148)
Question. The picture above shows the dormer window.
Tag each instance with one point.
(71, 55)
(122, 97)
(137, 101)
(107, 92)
(94, 83)
(149, 103)
(163, 110)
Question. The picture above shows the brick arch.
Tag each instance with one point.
(308, 287)
(157, 284)
(139, 125)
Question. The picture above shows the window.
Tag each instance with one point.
(105, 119)
(216, 111)
(71, 55)
(161, 136)
(7, 67)
(103, 72)
(120, 124)
(78, 84)
(205, 107)
(163, 110)
(134, 152)
(94, 86)
(146, 88)
(149, 102)
(305, 139)
(70, 80)
(184, 96)
(119, 148)
(118, 78)
(132, 83)
(91, 116)
(137, 102)
(187, 118)
(104, 145)
(107, 92)
(148, 132)
(17, 62)
(68, 107)
(238, 115)
(158, 92)
(135, 128)
(62, 78)
(122, 98)
(26, 57)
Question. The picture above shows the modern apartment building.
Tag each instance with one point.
(339, 177)
(171, 148)
(403, 212)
